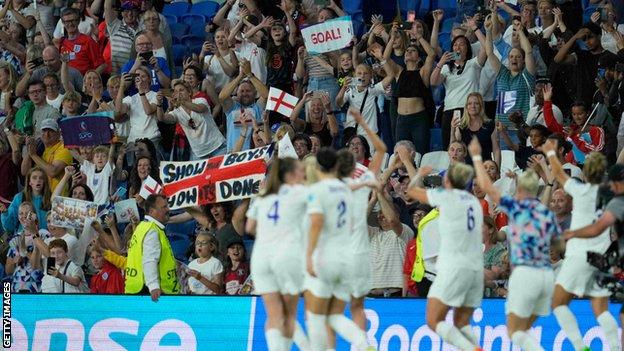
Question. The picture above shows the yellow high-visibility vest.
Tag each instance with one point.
(166, 263)
(418, 271)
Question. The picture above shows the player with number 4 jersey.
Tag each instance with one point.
(459, 280)
(277, 261)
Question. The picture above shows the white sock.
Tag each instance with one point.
(317, 332)
(568, 323)
(300, 338)
(453, 336)
(287, 343)
(348, 330)
(275, 340)
(610, 329)
(466, 330)
(525, 341)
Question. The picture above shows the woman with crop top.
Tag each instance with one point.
(412, 91)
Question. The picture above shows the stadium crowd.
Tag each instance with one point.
(190, 81)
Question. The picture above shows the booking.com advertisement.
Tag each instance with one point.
(116, 322)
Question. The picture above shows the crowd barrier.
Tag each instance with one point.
(117, 322)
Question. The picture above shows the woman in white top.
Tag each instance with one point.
(276, 264)
(195, 119)
(460, 72)
(609, 26)
(86, 26)
(140, 108)
(327, 283)
(577, 278)
(220, 62)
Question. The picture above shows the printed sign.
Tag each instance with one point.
(125, 209)
(72, 213)
(506, 101)
(88, 130)
(285, 148)
(328, 36)
(222, 178)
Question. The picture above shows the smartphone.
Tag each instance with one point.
(76, 166)
(37, 61)
(147, 55)
(210, 37)
(455, 56)
(405, 26)
(619, 67)
(51, 263)
(604, 13)
(432, 181)
(602, 73)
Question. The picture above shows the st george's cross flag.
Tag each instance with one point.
(281, 102)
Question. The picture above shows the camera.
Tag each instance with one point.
(612, 258)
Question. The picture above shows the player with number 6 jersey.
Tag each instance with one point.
(459, 280)
(277, 261)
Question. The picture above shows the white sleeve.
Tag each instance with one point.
(151, 254)
(573, 187)
(378, 89)
(252, 211)
(58, 30)
(437, 197)
(407, 234)
(314, 204)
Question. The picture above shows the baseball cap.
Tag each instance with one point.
(129, 5)
(235, 241)
(49, 123)
(616, 173)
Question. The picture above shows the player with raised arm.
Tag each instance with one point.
(532, 228)
(360, 180)
(277, 263)
(577, 277)
(459, 281)
(327, 283)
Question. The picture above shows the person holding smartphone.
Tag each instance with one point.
(62, 274)
(23, 261)
(159, 73)
(82, 52)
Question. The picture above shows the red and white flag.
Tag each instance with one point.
(150, 186)
(281, 102)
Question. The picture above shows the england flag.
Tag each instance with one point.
(281, 102)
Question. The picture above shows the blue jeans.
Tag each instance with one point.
(326, 83)
(221, 150)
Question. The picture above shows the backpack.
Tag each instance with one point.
(24, 118)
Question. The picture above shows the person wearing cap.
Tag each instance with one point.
(121, 32)
(536, 112)
(55, 156)
(236, 267)
(80, 50)
(585, 61)
(612, 216)
(43, 111)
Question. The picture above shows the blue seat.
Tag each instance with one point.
(436, 139)
(449, 7)
(178, 70)
(447, 25)
(423, 9)
(192, 41)
(193, 20)
(445, 41)
(171, 19)
(352, 6)
(179, 52)
(185, 228)
(194, 49)
(179, 245)
(588, 12)
(198, 31)
(205, 8)
(176, 9)
(358, 28)
(409, 5)
(178, 30)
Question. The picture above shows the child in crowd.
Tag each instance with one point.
(206, 270)
(108, 279)
(65, 276)
(37, 192)
(99, 172)
(24, 258)
(236, 267)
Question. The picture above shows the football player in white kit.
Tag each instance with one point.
(532, 228)
(327, 282)
(577, 277)
(277, 260)
(360, 180)
(459, 280)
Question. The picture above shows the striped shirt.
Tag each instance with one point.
(122, 40)
(387, 253)
(522, 84)
(315, 69)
